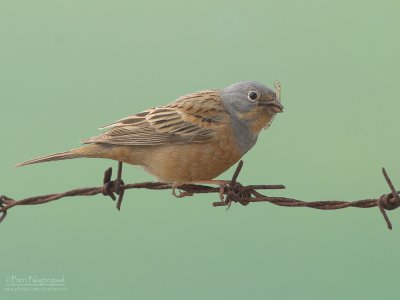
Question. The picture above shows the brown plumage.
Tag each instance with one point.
(191, 139)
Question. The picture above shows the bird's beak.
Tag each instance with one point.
(274, 105)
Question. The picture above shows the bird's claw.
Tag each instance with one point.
(222, 192)
(228, 203)
(180, 194)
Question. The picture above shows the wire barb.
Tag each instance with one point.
(389, 201)
(234, 191)
(112, 187)
(119, 186)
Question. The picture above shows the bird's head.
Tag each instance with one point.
(252, 103)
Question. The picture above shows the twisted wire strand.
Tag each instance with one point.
(234, 192)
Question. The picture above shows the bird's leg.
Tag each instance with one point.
(181, 194)
(221, 183)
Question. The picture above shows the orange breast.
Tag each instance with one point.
(192, 162)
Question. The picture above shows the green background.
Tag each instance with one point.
(68, 67)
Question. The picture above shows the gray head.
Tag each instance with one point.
(252, 107)
(248, 96)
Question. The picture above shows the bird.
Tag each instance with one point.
(191, 140)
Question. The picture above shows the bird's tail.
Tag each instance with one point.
(74, 153)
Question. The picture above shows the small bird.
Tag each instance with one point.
(191, 140)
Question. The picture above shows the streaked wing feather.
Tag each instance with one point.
(135, 119)
(191, 118)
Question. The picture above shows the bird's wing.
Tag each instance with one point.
(191, 118)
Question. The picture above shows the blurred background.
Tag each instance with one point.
(68, 67)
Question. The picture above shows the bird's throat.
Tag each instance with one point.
(257, 120)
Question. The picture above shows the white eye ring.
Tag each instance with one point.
(252, 96)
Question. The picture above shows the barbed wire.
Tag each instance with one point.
(232, 192)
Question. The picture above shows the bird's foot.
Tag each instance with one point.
(180, 193)
(221, 183)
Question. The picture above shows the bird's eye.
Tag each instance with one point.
(252, 96)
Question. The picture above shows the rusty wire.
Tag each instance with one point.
(234, 192)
